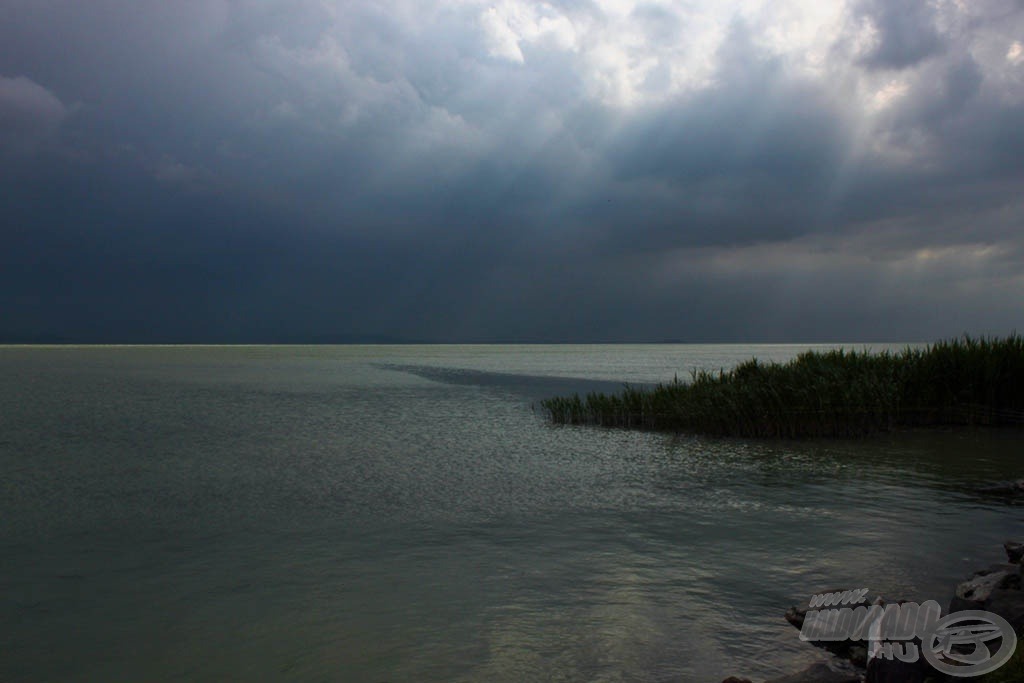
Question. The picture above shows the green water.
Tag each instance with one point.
(401, 514)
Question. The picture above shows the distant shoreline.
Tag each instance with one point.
(406, 342)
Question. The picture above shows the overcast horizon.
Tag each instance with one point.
(253, 171)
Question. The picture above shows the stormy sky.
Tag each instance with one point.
(502, 170)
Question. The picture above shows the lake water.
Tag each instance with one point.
(401, 513)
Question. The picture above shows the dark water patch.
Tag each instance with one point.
(532, 386)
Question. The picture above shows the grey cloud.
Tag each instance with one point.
(906, 33)
(750, 159)
(658, 21)
(265, 171)
(29, 112)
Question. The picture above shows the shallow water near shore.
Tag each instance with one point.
(401, 513)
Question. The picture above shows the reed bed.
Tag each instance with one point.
(964, 381)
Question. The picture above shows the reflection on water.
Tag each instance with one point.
(401, 514)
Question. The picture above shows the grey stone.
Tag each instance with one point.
(976, 590)
(854, 652)
(1009, 604)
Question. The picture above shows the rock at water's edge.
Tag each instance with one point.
(1014, 551)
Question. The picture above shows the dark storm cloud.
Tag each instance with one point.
(233, 170)
(906, 32)
(741, 163)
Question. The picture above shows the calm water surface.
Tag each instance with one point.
(375, 513)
